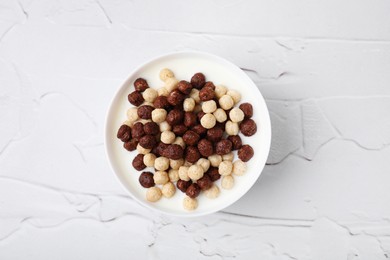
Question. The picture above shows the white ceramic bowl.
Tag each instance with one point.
(184, 65)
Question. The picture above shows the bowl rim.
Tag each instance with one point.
(231, 65)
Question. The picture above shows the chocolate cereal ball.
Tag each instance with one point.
(206, 93)
(205, 147)
(124, 133)
(193, 190)
(161, 102)
(175, 117)
(191, 138)
(148, 141)
(160, 149)
(198, 80)
(130, 145)
(151, 128)
(145, 111)
(200, 130)
(248, 127)
(135, 98)
(247, 109)
(213, 173)
(138, 130)
(214, 134)
(175, 97)
(138, 162)
(184, 87)
(174, 152)
(146, 179)
(236, 141)
(179, 129)
(192, 154)
(223, 147)
(205, 182)
(140, 84)
(189, 119)
(183, 185)
(245, 153)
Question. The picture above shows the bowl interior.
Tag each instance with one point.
(184, 65)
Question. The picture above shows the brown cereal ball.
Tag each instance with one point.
(135, 98)
(161, 102)
(160, 177)
(179, 130)
(189, 119)
(205, 182)
(200, 130)
(223, 147)
(140, 84)
(236, 141)
(131, 145)
(183, 185)
(146, 179)
(148, 141)
(153, 194)
(247, 109)
(214, 134)
(213, 173)
(191, 138)
(175, 117)
(168, 190)
(184, 87)
(206, 93)
(208, 121)
(205, 147)
(175, 97)
(227, 182)
(174, 152)
(145, 112)
(161, 163)
(166, 74)
(212, 192)
(245, 153)
(248, 127)
(160, 149)
(190, 203)
(124, 133)
(138, 130)
(209, 84)
(198, 80)
(151, 128)
(192, 154)
(138, 162)
(193, 190)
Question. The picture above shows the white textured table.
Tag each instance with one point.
(323, 66)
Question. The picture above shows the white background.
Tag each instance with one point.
(323, 67)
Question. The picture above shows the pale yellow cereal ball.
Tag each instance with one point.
(228, 157)
(132, 114)
(239, 168)
(149, 94)
(171, 84)
(220, 90)
(142, 150)
(227, 182)
(149, 159)
(164, 126)
(197, 108)
(179, 140)
(190, 203)
(153, 194)
(208, 121)
(215, 160)
(173, 175)
(129, 123)
(236, 96)
(231, 128)
(167, 137)
(175, 164)
(225, 168)
(195, 172)
(213, 192)
(194, 94)
(159, 115)
(187, 163)
(226, 102)
(163, 92)
(168, 190)
(209, 106)
(204, 163)
(188, 104)
(220, 115)
(183, 173)
(160, 177)
(161, 163)
(236, 115)
(166, 74)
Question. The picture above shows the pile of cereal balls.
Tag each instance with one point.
(187, 131)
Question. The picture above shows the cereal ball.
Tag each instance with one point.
(193, 190)
(236, 115)
(198, 80)
(236, 96)
(140, 85)
(206, 93)
(153, 194)
(209, 106)
(220, 91)
(175, 164)
(167, 137)
(236, 141)
(197, 108)
(247, 109)
(179, 129)
(227, 182)
(164, 126)
(161, 163)
(209, 84)
(189, 119)
(138, 130)
(161, 102)
(204, 183)
(191, 138)
(132, 114)
(175, 117)
(214, 134)
(223, 147)
(215, 160)
(163, 92)
(212, 192)
(220, 115)
(150, 94)
(225, 168)
(151, 128)
(179, 140)
(130, 145)
(248, 127)
(138, 162)
(160, 148)
(149, 159)
(168, 190)
(200, 130)
(166, 74)
(146, 179)
(148, 141)
(239, 168)
(213, 173)
(205, 147)
(160, 177)
(204, 163)
(174, 152)
(200, 115)
(189, 104)
(195, 172)
(173, 175)
(142, 150)
(194, 94)
(175, 98)
(187, 163)
(170, 84)
(192, 154)
(226, 102)
(208, 121)
(228, 157)
(183, 173)
(184, 87)
(124, 133)
(231, 128)
(245, 153)
(135, 98)
(145, 111)
(183, 185)
(190, 203)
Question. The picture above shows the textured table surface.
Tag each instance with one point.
(322, 66)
